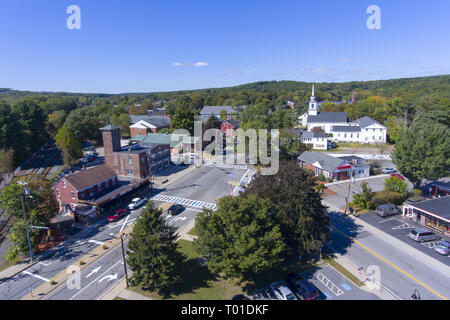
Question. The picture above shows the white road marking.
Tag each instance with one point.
(225, 166)
(119, 224)
(45, 264)
(123, 226)
(327, 282)
(186, 202)
(36, 276)
(115, 264)
(93, 271)
(96, 242)
(109, 278)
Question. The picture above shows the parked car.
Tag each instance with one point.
(398, 176)
(175, 209)
(136, 203)
(119, 214)
(443, 248)
(239, 297)
(304, 289)
(422, 235)
(387, 210)
(282, 292)
(389, 170)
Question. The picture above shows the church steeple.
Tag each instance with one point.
(312, 111)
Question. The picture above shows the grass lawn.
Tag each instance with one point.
(5, 265)
(193, 232)
(344, 271)
(199, 283)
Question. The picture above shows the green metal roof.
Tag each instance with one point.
(174, 140)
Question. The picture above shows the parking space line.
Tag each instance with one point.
(328, 283)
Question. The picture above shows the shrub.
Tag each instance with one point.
(321, 177)
(385, 197)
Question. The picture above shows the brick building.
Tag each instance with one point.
(228, 127)
(142, 125)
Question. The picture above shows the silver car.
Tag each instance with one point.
(282, 292)
(422, 235)
(443, 248)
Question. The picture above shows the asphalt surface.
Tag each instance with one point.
(203, 184)
(401, 271)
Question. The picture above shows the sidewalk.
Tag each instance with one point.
(183, 234)
(357, 179)
(166, 180)
(16, 269)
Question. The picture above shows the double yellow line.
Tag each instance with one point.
(392, 265)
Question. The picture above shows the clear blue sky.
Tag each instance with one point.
(132, 46)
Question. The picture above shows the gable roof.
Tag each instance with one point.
(174, 140)
(84, 179)
(155, 121)
(366, 121)
(327, 162)
(324, 117)
(311, 134)
(233, 123)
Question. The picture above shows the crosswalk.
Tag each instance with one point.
(185, 202)
(226, 166)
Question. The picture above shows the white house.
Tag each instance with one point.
(364, 130)
(318, 140)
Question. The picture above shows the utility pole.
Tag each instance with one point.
(348, 192)
(124, 261)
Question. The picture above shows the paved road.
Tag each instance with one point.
(203, 184)
(402, 270)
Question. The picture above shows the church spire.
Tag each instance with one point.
(313, 96)
(313, 91)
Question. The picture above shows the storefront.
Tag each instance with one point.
(434, 214)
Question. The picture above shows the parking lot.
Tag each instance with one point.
(331, 285)
(399, 227)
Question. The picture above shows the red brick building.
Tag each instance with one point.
(228, 127)
(71, 190)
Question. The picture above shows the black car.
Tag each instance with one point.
(239, 297)
(304, 289)
(175, 209)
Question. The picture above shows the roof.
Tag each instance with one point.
(164, 138)
(109, 127)
(327, 162)
(438, 207)
(155, 121)
(346, 129)
(442, 183)
(208, 110)
(366, 121)
(311, 134)
(233, 123)
(84, 179)
(323, 117)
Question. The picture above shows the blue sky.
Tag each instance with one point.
(163, 45)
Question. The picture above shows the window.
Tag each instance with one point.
(357, 135)
(64, 184)
(57, 192)
(73, 195)
(351, 135)
(129, 172)
(129, 160)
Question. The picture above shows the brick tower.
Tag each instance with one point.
(111, 143)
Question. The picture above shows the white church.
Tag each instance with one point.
(364, 130)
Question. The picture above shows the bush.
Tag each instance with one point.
(385, 197)
(321, 177)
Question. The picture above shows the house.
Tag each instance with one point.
(208, 111)
(83, 185)
(364, 130)
(228, 127)
(318, 140)
(142, 125)
(440, 188)
(434, 214)
(334, 168)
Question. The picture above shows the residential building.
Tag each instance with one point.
(208, 111)
(228, 127)
(147, 124)
(334, 168)
(434, 214)
(318, 140)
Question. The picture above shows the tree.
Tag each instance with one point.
(67, 141)
(223, 115)
(40, 209)
(212, 123)
(363, 200)
(183, 119)
(423, 152)
(299, 212)
(152, 252)
(55, 121)
(395, 184)
(85, 124)
(6, 161)
(241, 238)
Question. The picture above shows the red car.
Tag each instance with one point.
(118, 215)
(398, 176)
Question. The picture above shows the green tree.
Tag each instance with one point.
(299, 212)
(395, 184)
(71, 147)
(363, 200)
(423, 152)
(212, 123)
(85, 124)
(6, 161)
(183, 119)
(152, 252)
(240, 239)
(223, 115)
(55, 121)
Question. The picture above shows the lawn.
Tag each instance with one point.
(193, 232)
(199, 283)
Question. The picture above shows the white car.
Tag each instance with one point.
(389, 170)
(282, 292)
(136, 202)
